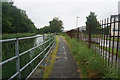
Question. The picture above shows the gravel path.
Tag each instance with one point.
(65, 66)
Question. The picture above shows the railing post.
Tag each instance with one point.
(18, 58)
(43, 48)
(49, 38)
(78, 34)
(89, 44)
(53, 38)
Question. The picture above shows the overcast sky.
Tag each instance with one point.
(43, 11)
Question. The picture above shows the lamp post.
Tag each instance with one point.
(77, 22)
(77, 29)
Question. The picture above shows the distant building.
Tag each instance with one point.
(114, 18)
(82, 28)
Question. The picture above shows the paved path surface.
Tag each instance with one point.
(65, 66)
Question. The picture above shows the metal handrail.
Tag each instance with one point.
(20, 54)
(39, 63)
(10, 59)
(31, 61)
(14, 39)
(34, 47)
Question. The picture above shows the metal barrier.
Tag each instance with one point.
(105, 39)
(17, 57)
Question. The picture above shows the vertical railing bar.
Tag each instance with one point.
(113, 42)
(44, 48)
(18, 57)
(94, 39)
(109, 41)
(104, 38)
(118, 37)
(104, 55)
(99, 36)
(89, 44)
(78, 34)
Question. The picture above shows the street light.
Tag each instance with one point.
(77, 22)
(77, 29)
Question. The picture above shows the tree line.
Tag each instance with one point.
(15, 20)
(55, 25)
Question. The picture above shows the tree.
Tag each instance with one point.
(56, 25)
(15, 20)
(91, 22)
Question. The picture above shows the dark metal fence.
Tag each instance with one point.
(104, 39)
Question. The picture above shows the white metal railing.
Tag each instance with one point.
(25, 52)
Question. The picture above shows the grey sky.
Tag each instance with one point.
(42, 11)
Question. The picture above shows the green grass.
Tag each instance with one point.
(114, 50)
(17, 35)
(94, 35)
(47, 69)
(115, 39)
(91, 64)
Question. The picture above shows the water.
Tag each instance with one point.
(8, 51)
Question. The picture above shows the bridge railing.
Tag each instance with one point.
(17, 56)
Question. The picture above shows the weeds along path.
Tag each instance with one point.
(64, 66)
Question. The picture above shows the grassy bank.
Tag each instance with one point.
(47, 70)
(17, 35)
(91, 64)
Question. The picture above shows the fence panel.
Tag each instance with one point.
(24, 55)
(104, 39)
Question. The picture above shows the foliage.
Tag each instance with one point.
(91, 22)
(15, 20)
(56, 25)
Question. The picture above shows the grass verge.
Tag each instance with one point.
(104, 48)
(91, 64)
(17, 35)
(47, 69)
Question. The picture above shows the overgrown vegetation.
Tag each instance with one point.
(91, 64)
(15, 20)
(47, 69)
